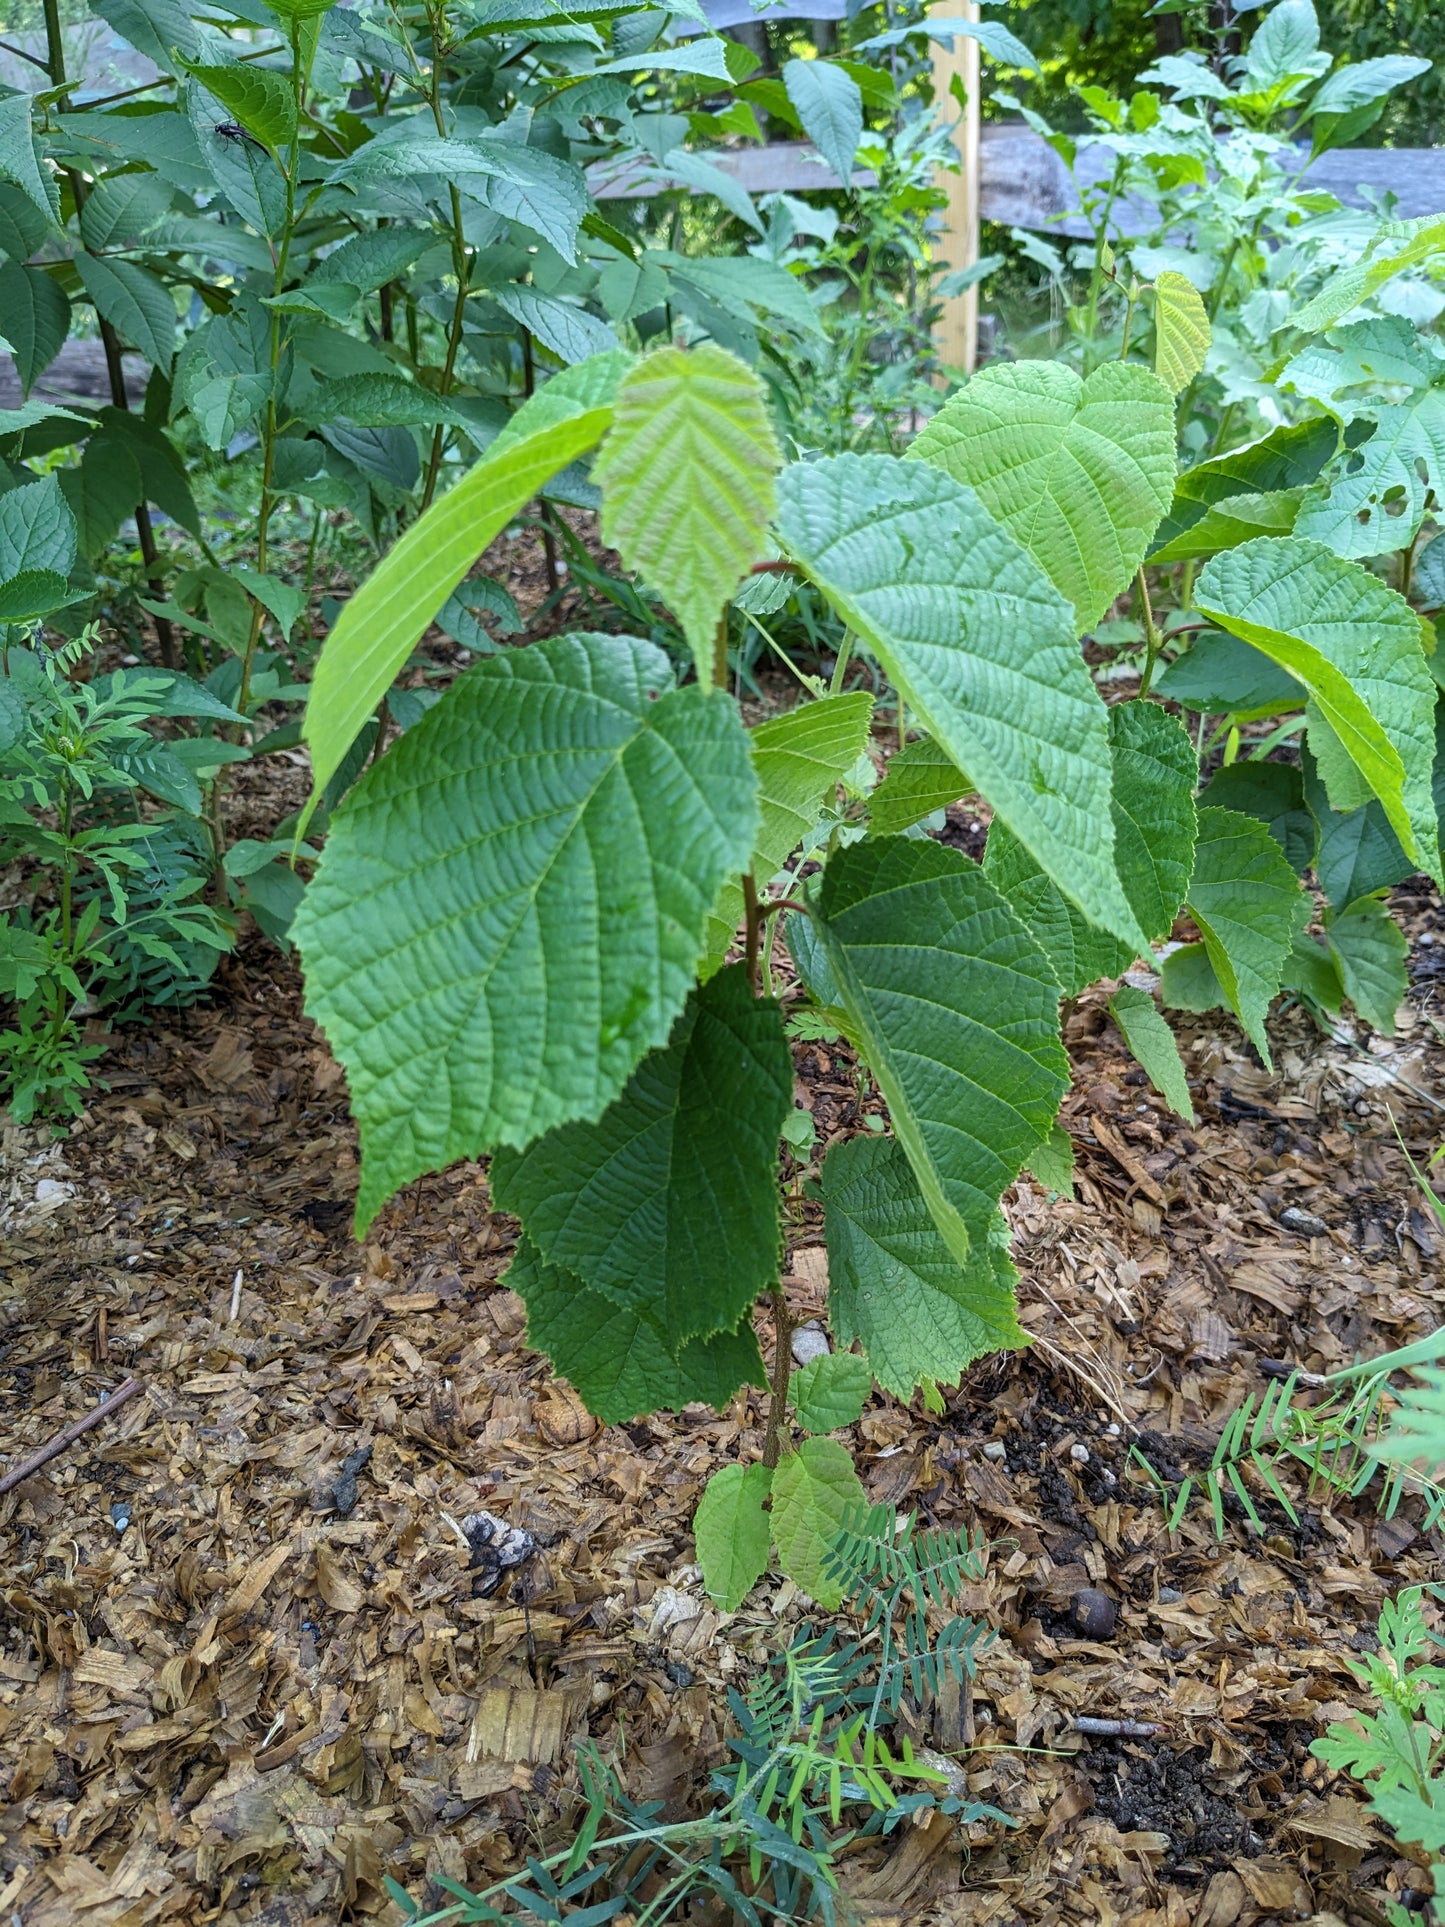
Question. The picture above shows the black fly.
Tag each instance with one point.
(231, 130)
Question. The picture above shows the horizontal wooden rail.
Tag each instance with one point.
(1023, 183)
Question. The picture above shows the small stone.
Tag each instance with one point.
(1079, 1454)
(1169, 1595)
(1094, 1613)
(1111, 1431)
(996, 1450)
(1305, 1222)
(120, 1515)
(810, 1341)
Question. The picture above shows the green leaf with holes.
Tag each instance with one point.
(687, 477)
(573, 815)
(893, 1283)
(1080, 472)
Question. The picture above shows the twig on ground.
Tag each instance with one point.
(57, 1445)
(1116, 1729)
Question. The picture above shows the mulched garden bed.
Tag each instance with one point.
(250, 1664)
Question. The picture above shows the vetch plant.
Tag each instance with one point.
(517, 938)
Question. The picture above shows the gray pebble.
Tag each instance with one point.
(1094, 1613)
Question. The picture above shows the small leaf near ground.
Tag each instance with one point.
(831, 1391)
(1152, 1044)
(733, 1532)
(813, 1488)
(1369, 951)
(1248, 904)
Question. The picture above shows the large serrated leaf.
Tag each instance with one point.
(1354, 646)
(813, 1490)
(799, 759)
(1081, 472)
(137, 304)
(733, 1532)
(956, 1010)
(384, 620)
(1155, 770)
(1221, 676)
(687, 482)
(980, 645)
(669, 1202)
(1248, 904)
(1181, 331)
(920, 779)
(614, 1357)
(1286, 458)
(894, 1285)
(510, 907)
(1151, 1042)
(1369, 951)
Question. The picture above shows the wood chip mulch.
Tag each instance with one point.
(250, 1662)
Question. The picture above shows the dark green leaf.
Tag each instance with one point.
(920, 779)
(1274, 792)
(35, 317)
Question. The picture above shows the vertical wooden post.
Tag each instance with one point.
(956, 337)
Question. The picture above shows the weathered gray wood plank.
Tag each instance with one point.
(1023, 183)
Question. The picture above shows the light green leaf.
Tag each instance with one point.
(1360, 358)
(1364, 81)
(572, 816)
(1248, 905)
(1369, 951)
(799, 758)
(920, 779)
(35, 318)
(733, 1533)
(894, 1285)
(1286, 458)
(1151, 1042)
(827, 101)
(1372, 502)
(687, 482)
(1187, 980)
(1354, 646)
(981, 647)
(706, 55)
(956, 1011)
(1181, 331)
(1395, 246)
(1080, 472)
(669, 1201)
(614, 1358)
(264, 103)
(1239, 518)
(1155, 770)
(386, 618)
(831, 1391)
(1052, 1162)
(813, 1488)
(136, 304)
(19, 162)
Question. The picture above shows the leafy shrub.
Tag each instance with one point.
(517, 936)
